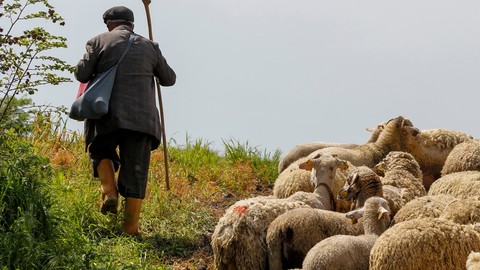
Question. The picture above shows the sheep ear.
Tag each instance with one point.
(357, 213)
(354, 178)
(307, 165)
(354, 215)
(382, 213)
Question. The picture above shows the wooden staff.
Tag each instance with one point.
(146, 3)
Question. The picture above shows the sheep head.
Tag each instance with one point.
(376, 209)
(350, 189)
(398, 160)
(360, 185)
(323, 168)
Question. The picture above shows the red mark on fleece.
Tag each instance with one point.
(240, 209)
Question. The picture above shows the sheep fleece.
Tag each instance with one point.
(427, 243)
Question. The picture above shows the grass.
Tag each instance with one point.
(176, 224)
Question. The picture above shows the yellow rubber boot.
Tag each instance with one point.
(106, 174)
(131, 224)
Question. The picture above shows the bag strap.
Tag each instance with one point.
(130, 41)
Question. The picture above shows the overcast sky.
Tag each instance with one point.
(277, 73)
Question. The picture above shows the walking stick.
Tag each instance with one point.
(162, 120)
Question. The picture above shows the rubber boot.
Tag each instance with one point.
(106, 174)
(132, 216)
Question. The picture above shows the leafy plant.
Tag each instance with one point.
(24, 62)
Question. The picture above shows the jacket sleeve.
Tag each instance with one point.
(85, 68)
(163, 71)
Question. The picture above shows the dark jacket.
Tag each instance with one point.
(133, 101)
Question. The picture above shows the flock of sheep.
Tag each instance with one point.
(405, 199)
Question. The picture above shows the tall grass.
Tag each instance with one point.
(176, 223)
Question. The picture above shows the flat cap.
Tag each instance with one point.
(118, 13)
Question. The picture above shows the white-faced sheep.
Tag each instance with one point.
(473, 261)
(425, 243)
(297, 179)
(347, 252)
(460, 184)
(464, 157)
(393, 137)
(238, 240)
(430, 149)
(303, 150)
(401, 170)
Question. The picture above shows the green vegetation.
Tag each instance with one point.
(50, 203)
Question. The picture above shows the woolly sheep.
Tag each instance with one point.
(425, 243)
(238, 240)
(303, 150)
(344, 252)
(292, 234)
(464, 157)
(460, 184)
(430, 149)
(400, 169)
(392, 137)
(364, 183)
(473, 261)
(422, 207)
(323, 169)
(462, 211)
(329, 168)
(361, 184)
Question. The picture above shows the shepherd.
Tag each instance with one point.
(132, 125)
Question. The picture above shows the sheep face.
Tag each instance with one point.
(323, 167)
(376, 208)
(361, 184)
(351, 189)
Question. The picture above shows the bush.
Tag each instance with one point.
(30, 235)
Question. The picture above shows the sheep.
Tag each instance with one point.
(464, 157)
(462, 211)
(393, 137)
(345, 252)
(400, 169)
(328, 169)
(360, 185)
(303, 150)
(292, 234)
(473, 261)
(422, 207)
(425, 243)
(430, 149)
(238, 240)
(460, 184)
